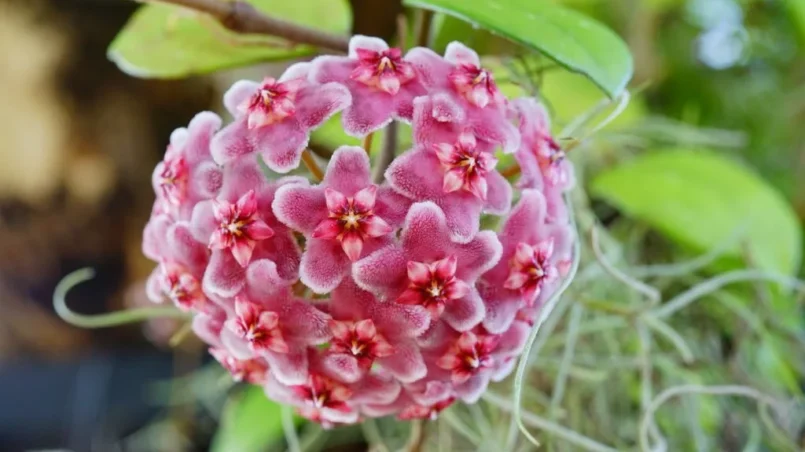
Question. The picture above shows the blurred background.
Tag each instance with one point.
(79, 139)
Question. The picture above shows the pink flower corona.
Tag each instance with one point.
(373, 291)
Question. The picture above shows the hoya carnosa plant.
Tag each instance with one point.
(348, 297)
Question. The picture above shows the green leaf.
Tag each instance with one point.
(700, 199)
(568, 37)
(165, 41)
(250, 423)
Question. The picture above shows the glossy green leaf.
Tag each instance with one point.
(573, 40)
(250, 423)
(700, 198)
(165, 41)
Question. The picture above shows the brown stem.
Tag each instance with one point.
(367, 143)
(510, 171)
(312, 166)
(417, 438)
(387, 152)
(402, 31)
(423, 25)
(241, 17)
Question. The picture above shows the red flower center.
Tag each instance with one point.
(272, 102)
(351, 220)
(249, 370)
(239, 228)
(465, 165)
(322, 392)
(385, 70)
(477, 85)
(433, 285)
(530, 268)
(467, 355)
(259, 327)
(173, 180)
(359, 339)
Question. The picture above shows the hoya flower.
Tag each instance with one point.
(432, 173)
(343, 218)
(539, 152)
(425, 240)
(187, 174)
(252, 371)
(277, 329)
(463, 84)
(390, 345)
(235, 226)
(274, 117)
(258, 326)
(429, 412)
(468, 355)
(465, 165)
(382, 83)
(239, 227)
(533, 254)
(180, 286)
(359, 339)
(375, 291)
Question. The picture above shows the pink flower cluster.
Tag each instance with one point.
(351, 299)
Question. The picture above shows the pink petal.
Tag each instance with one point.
(458, 53)
(416, 174)
(232, 142)
(465, 313)
(445, 268)
(342, 367)
(370, 110)
(374, 226)
(269, 319)
(453, 180)
(317, 103)
(237, 94)
(281, 144)
(431, 68)
(324, 265)
(258, 230)
(359, 44)
(501, 307)
(478, 187)
(498, 194)
(383, 271)
(467, 141)
(470, 389)
(335, 200)
(411, 297)
(365, 198)
(449, 361)
(418, 273)
(466, 342)
(224, 276)
(516, 280)
(405, 364)
(458, 289)
(289, 368)
(331, 69)
(365, 329)
(352, 245)
(389, 83)
(327, 230)
(304, 323)
(300, 207)
(348, 170)
(242, 251)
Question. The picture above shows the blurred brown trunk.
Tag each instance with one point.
(375, 17)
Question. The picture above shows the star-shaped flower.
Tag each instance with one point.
(343, 218)
(426, 239)
(275, 117)
(382, 83)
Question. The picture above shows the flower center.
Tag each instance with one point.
(272, 102)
